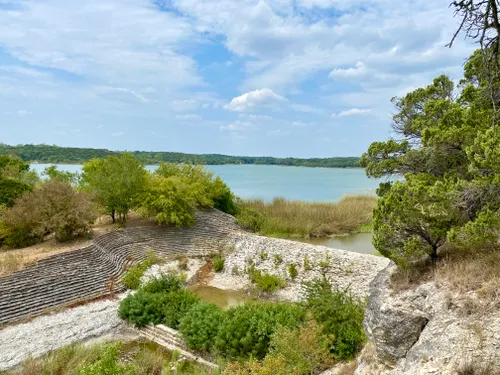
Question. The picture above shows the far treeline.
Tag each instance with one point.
(67, 155)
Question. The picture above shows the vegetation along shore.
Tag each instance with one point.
(69, 155)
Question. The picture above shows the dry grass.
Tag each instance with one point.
(283, 218)
(472, 271)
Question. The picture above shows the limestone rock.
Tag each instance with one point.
(427, 330)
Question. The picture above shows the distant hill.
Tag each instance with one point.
(70, 155)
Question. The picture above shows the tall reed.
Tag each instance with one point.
(285, 218)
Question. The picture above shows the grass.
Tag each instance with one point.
(284, 218)
(472, 271)
(265, 281)
(133, 358)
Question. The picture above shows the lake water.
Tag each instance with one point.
(222, 298)
(269, 181)
(357, 242)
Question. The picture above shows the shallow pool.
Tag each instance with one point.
(222, 298)
(357, 242)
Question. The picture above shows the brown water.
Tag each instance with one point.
(358, 242)
(222, 298)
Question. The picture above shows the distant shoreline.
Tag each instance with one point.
(45, 154)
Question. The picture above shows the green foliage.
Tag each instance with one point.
(200, 325)
(107, 364)
(53, 207)
(69, 155)
(247, 329)
(52, 173)
(305, 350)
(162, 300)
(278, 259)
(447, 150)
(265, 281)
(164, 284)
(175, 191)
(169, 201)
(141, 308)
(341, 316)
(116, 183)
(10, 190)
(13, 183)
(292, 270)
(218, 263)
(132, 278)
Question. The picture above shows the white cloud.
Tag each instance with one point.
(352, 112)
(255, 99)
(61, 34)
(117, 134)
(358, 71)
(23, 113)
(236, 126)
(252, 116)
(188, 117)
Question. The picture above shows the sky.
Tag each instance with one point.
(301, 78)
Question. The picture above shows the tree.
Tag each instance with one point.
(116, 182)
(446, 148)
(52, 173)
(53, 207)
(15, 179)
(169, 201)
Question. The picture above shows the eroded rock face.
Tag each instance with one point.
(390, 324)
(427, 330)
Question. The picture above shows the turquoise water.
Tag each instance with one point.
(269, 181)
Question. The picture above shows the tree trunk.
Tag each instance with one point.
(113, 215)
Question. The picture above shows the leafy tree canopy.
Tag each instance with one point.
(447, 148)
(116, 183)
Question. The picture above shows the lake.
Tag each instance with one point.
(269, 181)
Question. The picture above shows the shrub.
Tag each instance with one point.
(144, 308)
(132, 278)
(265, 281)
(54, 207)
(164, 284)
(292, 270)
(200, 325)
(305, 350)
(340, 314)
(177, 306)
(219, 263)
(247, 329)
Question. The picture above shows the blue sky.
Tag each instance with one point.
(303, 78)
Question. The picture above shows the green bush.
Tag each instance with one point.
(164, 284)
(219, 263)
(177, 306)
(167, 308)
(292, 270)
(143, 308)
(200, 325)
(132, 278)
(247, 329)
(340, 314)
(265, 281)
(250, 218)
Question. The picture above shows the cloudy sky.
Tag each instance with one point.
(305, 78)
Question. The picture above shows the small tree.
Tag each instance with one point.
(116, 183)
(53, 207)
